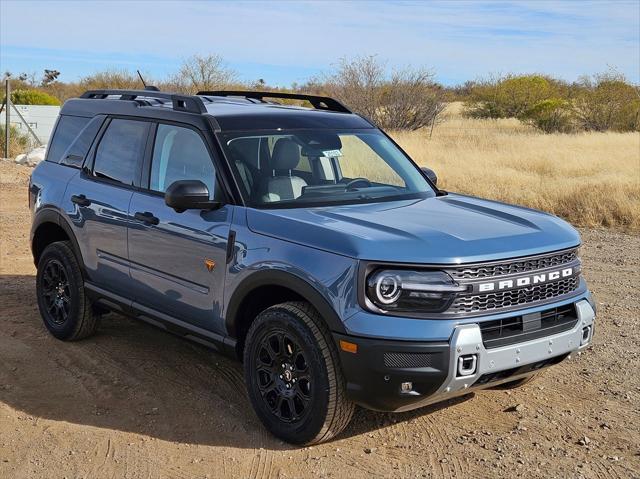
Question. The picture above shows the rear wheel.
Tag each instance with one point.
(293, 376)
(66, 310)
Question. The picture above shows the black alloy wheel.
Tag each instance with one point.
(55, 289)
(66, 310)
(283, 376)
(293, 375)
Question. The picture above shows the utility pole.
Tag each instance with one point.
(7, 129)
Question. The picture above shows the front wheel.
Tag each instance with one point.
(293, 376)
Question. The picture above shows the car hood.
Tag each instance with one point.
(448, 229)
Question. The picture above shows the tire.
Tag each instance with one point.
(515, 384)
(289, 344)
(64, 306)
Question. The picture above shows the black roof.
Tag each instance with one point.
(223, 110)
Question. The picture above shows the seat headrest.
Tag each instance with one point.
(246, 150)
(286, 154)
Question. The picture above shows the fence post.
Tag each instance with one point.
(7, 129)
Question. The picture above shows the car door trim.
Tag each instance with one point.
(218, 342)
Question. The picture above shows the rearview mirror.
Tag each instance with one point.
(185, 195)
(430, 174)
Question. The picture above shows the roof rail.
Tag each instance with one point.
(187, 103)
(318, 102)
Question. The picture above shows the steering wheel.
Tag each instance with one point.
(357, 183)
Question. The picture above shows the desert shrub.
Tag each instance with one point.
(607, 102)
(32, 97)
(406, 100)
(116, 79)
(550, 116)
(18, 141)
(512, 96)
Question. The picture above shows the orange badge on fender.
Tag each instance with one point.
(210, 264)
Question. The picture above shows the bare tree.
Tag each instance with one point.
(411, 100)
(606, 101)
(408, 100)
(203, 73)
(49, 77)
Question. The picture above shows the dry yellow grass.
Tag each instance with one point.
(590, 179)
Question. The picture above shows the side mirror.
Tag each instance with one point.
(430, 174)
(185, 195)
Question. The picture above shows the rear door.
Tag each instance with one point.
(178, 260)
(98, 202)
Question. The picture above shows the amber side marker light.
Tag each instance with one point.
(348, 347)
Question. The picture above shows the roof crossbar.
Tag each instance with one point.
(186, 103)
(318, 102)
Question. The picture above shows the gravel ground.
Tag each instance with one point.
(134, 401)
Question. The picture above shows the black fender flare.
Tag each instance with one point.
(273, 277)
(51, 215)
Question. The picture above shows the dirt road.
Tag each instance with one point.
(134, 401)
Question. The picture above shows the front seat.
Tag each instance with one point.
(282, 185)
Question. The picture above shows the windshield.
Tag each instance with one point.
(300, 168)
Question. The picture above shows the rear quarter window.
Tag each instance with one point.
(75, 154)
(66, 131)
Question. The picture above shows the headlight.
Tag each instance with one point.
(411, 291)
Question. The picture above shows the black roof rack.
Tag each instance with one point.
(187, 103)
(318, 102)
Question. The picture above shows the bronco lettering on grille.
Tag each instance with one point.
(527, 280)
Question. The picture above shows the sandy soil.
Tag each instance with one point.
(134, 401)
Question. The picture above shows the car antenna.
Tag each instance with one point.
(149, 87)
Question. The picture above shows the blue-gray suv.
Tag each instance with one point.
(305, 242)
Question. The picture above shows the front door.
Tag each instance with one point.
(178, 260)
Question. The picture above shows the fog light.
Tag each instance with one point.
(467, 364)
(406, 387)
(586, 333)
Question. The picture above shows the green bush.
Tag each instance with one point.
(32, 97)
(602, 102)
(511, 97)
(551, 115)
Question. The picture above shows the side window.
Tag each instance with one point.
(121, 150)
(180, 154)
(66, 131)
(74, 155)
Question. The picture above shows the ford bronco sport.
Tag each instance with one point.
(304, 241)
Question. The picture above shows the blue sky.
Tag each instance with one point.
(289, 41)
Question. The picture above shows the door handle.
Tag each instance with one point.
(80, 200)
(147, 218)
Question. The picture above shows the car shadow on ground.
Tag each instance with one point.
(136, 378)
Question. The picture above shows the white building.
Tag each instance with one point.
(41, 119)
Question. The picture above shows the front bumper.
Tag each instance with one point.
(376, 373)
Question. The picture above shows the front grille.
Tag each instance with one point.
(408, 360)
(514, 266)
(518, 329)
(473, 303)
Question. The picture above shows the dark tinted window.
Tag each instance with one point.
(120, 150)
(74, 155)
(66, 131)
(180, 154)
